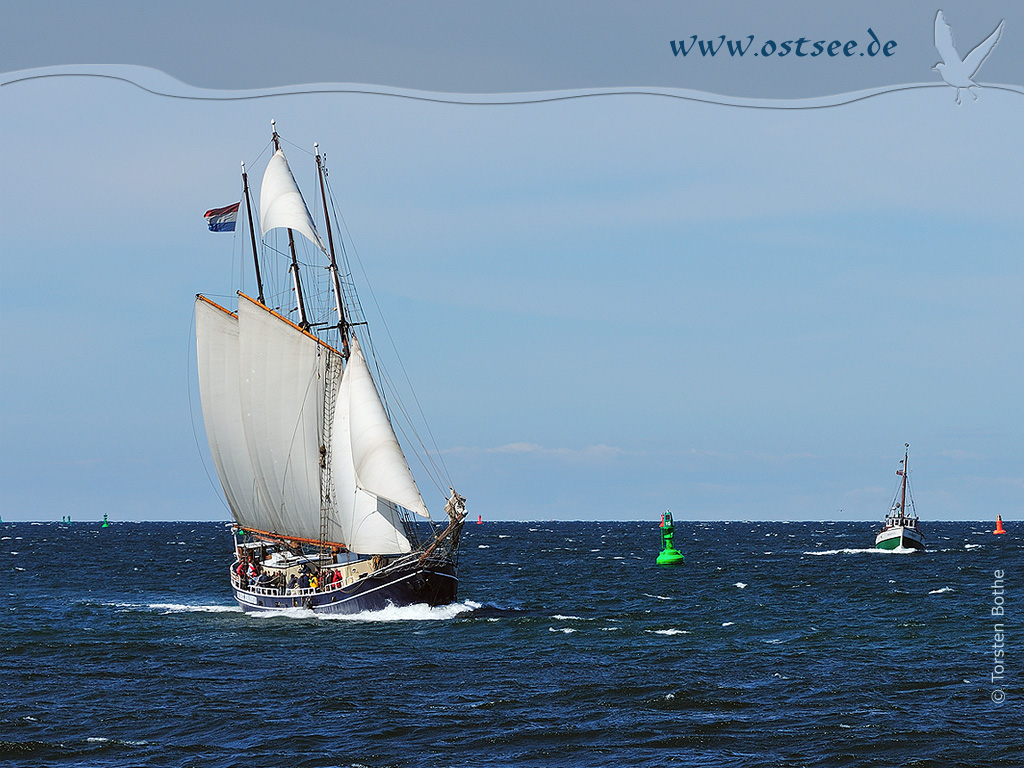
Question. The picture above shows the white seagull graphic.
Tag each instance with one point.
(955, 71)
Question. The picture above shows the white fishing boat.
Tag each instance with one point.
(901, 525)
(327, 513)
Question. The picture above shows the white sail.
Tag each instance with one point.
(281, 203)
(370, 472)
(282, 385)
(217, 356)
(380, 465)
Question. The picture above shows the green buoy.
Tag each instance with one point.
(105, 523)
(669, 555)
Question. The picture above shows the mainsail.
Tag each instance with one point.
(283, 384)
(217, 356)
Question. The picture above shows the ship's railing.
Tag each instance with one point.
(256, 589)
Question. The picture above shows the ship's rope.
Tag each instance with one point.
(436, 470)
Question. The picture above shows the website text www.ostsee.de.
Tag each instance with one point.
(801, 47)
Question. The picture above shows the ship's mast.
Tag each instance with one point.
(339, 305)
(252, 234)
(303, 321)
(906, 471)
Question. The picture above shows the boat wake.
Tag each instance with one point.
(415, 612)
(851, 551)
(178, 607)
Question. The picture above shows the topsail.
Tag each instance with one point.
(281, 203)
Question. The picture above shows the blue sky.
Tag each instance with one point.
(608, 306)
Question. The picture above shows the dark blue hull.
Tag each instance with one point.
(436, 585)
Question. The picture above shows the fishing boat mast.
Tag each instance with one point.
(903, 491)
(303, 321)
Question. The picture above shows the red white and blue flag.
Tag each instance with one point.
(222, 219)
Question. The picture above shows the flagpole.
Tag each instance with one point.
(252, 234)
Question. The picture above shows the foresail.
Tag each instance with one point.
(281, 203)
(372, 525)
(282, 386)
(379, 463)
(217, 356)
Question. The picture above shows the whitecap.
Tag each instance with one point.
(97, 739)
(971, 546)
(740, 585)
(657, 597)
(560, 617)
(483, 546)
(668, 631)
(563, 630)
(728, 623)
(940, 591)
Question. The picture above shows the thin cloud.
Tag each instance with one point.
(599, 452)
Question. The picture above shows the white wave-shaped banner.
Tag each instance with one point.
(160, 83)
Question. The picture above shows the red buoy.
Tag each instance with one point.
(999, 525)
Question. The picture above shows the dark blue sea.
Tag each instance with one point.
(774, 644)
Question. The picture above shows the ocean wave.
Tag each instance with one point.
(183, 608)
(178, 607)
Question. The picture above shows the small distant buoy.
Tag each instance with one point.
(999, 525)
(479, 519)
(105, 523)
(669, 555)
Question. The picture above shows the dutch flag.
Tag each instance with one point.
(222, 219)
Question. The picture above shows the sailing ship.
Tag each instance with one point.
(901, 528)
(327, 514)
